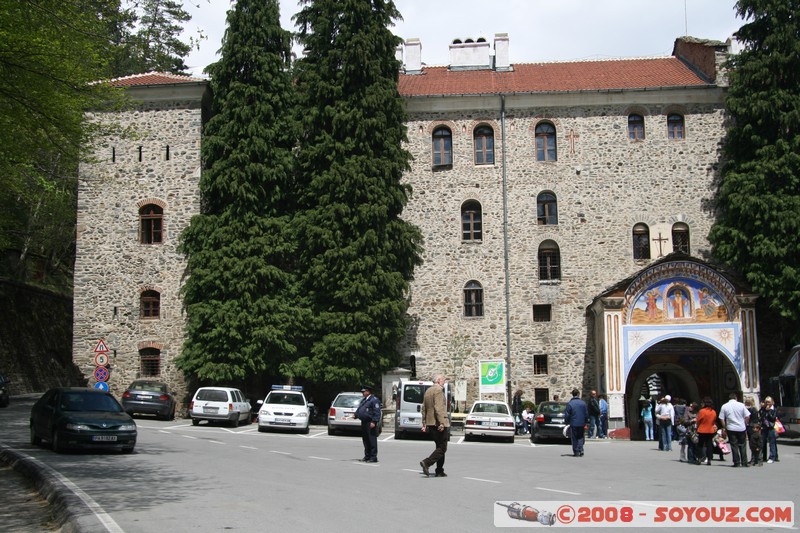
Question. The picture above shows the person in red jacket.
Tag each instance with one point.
(706, 429)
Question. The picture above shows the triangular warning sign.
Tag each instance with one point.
(101, 347)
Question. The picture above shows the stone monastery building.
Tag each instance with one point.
(565, 209)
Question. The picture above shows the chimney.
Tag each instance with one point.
(501, 59)
(470, 54)
(413, 50)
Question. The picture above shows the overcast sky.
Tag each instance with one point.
(538, 30)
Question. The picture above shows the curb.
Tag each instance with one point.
(70, 512)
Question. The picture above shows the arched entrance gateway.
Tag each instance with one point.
(679, 327)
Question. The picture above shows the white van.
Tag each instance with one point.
(219, 404)
(408, 418)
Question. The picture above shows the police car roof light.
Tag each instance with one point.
(288, 387)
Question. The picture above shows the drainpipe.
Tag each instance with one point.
(505, 247)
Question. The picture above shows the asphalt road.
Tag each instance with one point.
(186, 478)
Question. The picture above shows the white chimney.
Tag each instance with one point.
(413, 50)
(470, 54)
(501, 59)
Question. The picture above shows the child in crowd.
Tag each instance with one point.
(755, 444)
(721, 445)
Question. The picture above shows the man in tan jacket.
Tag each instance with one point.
(436, 422)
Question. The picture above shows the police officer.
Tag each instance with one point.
(369, 412)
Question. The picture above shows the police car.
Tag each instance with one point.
(285, 407)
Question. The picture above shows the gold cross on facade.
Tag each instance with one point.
(572, 136)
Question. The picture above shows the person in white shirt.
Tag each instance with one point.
(527, 420)
(665, 414)
(735, 417)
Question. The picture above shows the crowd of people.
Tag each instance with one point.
(703, 432)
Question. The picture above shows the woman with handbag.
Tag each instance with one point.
(767, 416)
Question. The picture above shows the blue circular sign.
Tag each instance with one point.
(102, 385)
(101, 373)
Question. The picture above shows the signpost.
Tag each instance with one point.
(102, 371)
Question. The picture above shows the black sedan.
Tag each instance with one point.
(149, 397)
(73, 417)
(548, 422)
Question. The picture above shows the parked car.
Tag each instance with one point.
(149, 397)
(489, 418)
(408, 404)
(285, 407)
(5, 393)
(340, 414)
(74, 417)
(548, 422)
(219, 404)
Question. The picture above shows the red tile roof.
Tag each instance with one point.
(553, 77)
(153, 78)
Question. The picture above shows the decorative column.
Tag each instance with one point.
(749, 374)
(613, 376)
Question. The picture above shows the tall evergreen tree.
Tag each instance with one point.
(358, 255)
(759, 198)
(240, 308)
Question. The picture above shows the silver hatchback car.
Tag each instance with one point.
(340, 414)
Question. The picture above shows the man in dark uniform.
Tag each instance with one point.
(369, 412)
(575, 416)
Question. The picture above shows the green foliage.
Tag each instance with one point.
(759, 197)
(240, 298)
(50, 52)
(357, 255)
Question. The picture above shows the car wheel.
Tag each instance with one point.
(172, 414)
(234, 422)
(399, 435)
(467, 437)
(331, 431)
(262, 429)
(305, 431)
(58, 446)
(36, 440)
(195, 422)
(510, 439)
(5, 401)
(127, 450)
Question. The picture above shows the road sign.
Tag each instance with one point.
(102, 385)
(101, 373)
(101, 347)
(101, 359)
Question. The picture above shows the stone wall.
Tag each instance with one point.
(604, 184)
(112, 266)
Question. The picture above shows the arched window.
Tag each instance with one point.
(471, 224)
(549, 261)
(442, 147)
(151, 224)
(484, 145)
(675, 126)
(641, 241)
(680, 238)
(473, 299)
(546, 209)
(546, 142)
(636, 127)
(149, 362)
(150, 304)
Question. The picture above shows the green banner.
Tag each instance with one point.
(492, 376)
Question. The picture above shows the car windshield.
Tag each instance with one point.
(552, 408)
(149, 387)
(284, 398)
(83, 401)
(212, 395)
(348, 400)
(490, 408)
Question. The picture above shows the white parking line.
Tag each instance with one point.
(279, 453)
(559, 491)
(216, 441)
(390, 437)
(167, 432)
(484, 480)
(248, 447)
(188, 437)
(317, 434)
(320, 458)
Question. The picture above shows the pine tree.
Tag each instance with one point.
(759, 198)
(358, 254)
(240, 308)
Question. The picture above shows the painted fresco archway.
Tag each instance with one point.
(675, 302)
(687, 369)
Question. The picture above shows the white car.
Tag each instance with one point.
(285, 407)
(221, 404)
(489, 418)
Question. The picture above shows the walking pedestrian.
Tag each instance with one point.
(666, 418)
(594, 415)
(575, 417)
(369, 412)
(766, 417)
(646, 417)
(706, 430)
(436, 422)
(603, 417)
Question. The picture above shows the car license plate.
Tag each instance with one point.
(283, 420)
(104, 438)
(145, 397)
(210, 409)
(491, 424)
(558, 420)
